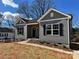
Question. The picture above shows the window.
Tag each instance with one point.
(2, 35)
(6, 34)
(48, 29)
(51, 14)
(20, 30)
(54, 29)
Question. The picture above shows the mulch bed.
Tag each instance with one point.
(59, 46)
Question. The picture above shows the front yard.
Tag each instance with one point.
(18, 51)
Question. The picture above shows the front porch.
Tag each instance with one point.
(33, 30)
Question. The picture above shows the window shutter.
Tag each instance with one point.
(44, 29)
(61, 29)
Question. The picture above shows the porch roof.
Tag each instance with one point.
(29, 21)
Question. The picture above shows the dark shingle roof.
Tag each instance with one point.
(29, 21)
(4, 29)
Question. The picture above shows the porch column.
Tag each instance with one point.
(15, 33)
(25, 32)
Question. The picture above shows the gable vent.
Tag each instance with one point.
(52, 14)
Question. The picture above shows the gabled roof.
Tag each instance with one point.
(26, 21)
(29, 21)
(55, 11)
(19, 19)
(4, 29)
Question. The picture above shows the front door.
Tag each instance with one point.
(35, 32)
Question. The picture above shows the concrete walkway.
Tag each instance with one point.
(74, 53)
(55, 49)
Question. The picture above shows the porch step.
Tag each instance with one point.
(33, 38)
(74, 46)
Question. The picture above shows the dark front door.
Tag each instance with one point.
(34, 32)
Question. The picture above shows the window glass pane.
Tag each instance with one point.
(48, 31)
(20, 30)
(55, 26)
(48, 26)
(2, 34)
(55, 32)
(5, 34)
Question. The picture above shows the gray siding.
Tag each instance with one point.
(25, 33)
(56, 15)
(54, 39)
(10, 35)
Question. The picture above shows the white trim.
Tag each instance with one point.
(54, 19)
(20, 24)
(48, 29)
(25, 32)
(19, 19)
(53, 29)
(32, 23)
(54, 10)
(68, 32)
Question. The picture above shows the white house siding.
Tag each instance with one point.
(55, 39)
(21, 36)
(25, 32)
(10, 35)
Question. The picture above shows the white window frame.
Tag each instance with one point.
(56, 29)
(20, 30)
(53, 29)
(48, 29)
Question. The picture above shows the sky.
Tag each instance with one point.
(66, 6)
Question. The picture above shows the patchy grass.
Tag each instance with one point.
(18, 51)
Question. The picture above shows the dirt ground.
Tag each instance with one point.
(18, 51)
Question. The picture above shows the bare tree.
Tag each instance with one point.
(37, 9)
(24, 9)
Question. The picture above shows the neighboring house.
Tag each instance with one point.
(54, 27)
(6, 33)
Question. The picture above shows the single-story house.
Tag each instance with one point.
(6, 33)
(53, 27)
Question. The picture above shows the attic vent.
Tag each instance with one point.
(51, 14)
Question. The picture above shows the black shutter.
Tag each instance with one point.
(44, 29)
(61, 29)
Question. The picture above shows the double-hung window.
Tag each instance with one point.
(56, 29)
(20, 30)
(48, 29)
(53, 29)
